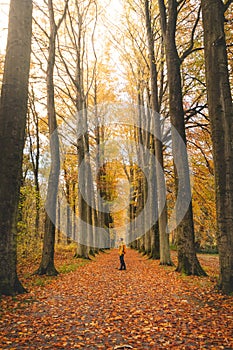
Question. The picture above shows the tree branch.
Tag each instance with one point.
(163, 16)
(190, 48)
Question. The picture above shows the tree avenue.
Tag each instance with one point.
(116, 123)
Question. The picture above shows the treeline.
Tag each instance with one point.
(107, 130)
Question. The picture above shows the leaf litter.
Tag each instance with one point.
(148, 306)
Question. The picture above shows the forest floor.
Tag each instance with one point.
(96, 306)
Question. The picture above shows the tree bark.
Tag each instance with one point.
(47, 262)
(35, 159)
(187, 259)
(165, 258)
(221, 121)
(82, 249)
(13, 111)
(155, 234)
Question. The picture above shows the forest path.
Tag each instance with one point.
(99, 307)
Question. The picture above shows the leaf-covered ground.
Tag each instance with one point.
(98, 307)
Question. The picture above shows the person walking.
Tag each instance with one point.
(122, 251)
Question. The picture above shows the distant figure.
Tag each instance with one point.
(122, 251)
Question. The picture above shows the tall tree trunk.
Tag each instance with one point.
(148, 243)
(69, 207)
(74, 210)
(13, 111)
(187, 259)
(165, 258)
(83, 230)
(82, 142)
(82, 249)
(47, 262)
(155, 236)
(141, 181)
(59, 232)
(221, 120)
(35, 159)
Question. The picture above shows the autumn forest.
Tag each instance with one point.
(116, 123)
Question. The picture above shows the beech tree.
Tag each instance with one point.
(187, 259)
(221, 120)
(165, 258)
(13, 111)
(34, 150)
(47, 262)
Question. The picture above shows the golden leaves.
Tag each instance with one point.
(98, 307)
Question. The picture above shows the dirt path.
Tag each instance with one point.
(99, 307)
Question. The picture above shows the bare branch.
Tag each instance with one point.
(41, 28)
(63, 15)
(190, 48)
(204, 156)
